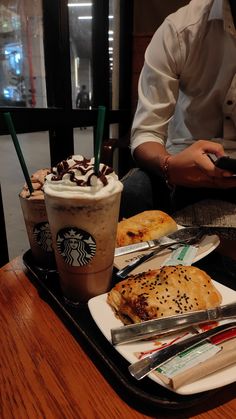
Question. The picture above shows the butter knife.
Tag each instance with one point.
(124, 272)
(182, 234)
(146, 365)
(149, 328)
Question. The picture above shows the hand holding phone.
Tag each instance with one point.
(224, 162)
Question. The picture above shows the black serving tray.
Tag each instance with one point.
(144, 395)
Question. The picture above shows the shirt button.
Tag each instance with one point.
(229, 102)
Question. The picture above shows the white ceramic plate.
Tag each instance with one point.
(206, 246)
(105, 319)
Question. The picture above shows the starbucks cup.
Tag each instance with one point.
(36, 222)
(83, 214)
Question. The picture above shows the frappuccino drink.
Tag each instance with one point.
(36, 221)
(83, 213)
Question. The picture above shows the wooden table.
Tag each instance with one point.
(46, 373)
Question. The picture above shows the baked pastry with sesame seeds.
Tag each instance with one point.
(167, 291)
(147, 225)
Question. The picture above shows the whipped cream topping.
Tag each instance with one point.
(37, 180)
(75, 177)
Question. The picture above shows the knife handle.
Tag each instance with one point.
(119, 251)
(150, 328)
(146, 365)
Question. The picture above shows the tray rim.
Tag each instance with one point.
(151, 401)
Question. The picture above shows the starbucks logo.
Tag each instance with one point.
(43, 237)
(76, 246)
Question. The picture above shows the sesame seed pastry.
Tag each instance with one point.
(167, 291)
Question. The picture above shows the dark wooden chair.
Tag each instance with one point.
(120, 148)
(4, 257)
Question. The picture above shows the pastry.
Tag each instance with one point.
(147, 225)
(167, 291)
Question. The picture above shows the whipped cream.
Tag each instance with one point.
(75, 177)
(37, 180)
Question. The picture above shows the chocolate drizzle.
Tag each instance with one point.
(83, 166)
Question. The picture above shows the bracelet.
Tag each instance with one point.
(165, 167)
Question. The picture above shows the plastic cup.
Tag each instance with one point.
(36, 222)
(84, 237)
(83, 208)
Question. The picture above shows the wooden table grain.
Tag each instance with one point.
(46, 373)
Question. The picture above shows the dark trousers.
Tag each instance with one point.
(144, 191)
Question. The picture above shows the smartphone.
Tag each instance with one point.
(224, 162)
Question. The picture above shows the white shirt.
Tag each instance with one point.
(187, 87)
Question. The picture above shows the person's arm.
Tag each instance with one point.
(191, 167)
(158, 93)
(158, 88)
(151, 156)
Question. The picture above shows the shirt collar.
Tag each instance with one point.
(221, 10)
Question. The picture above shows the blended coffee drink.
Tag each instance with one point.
(36, 221)
(83, 213)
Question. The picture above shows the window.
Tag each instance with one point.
(22, 81)
(49, 49)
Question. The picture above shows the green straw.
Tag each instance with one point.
(12, 131)
(99, 137)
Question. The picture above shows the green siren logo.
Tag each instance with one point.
(76, 246)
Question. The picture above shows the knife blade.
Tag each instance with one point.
(150, 328)
(146, 365)
(181, 234)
